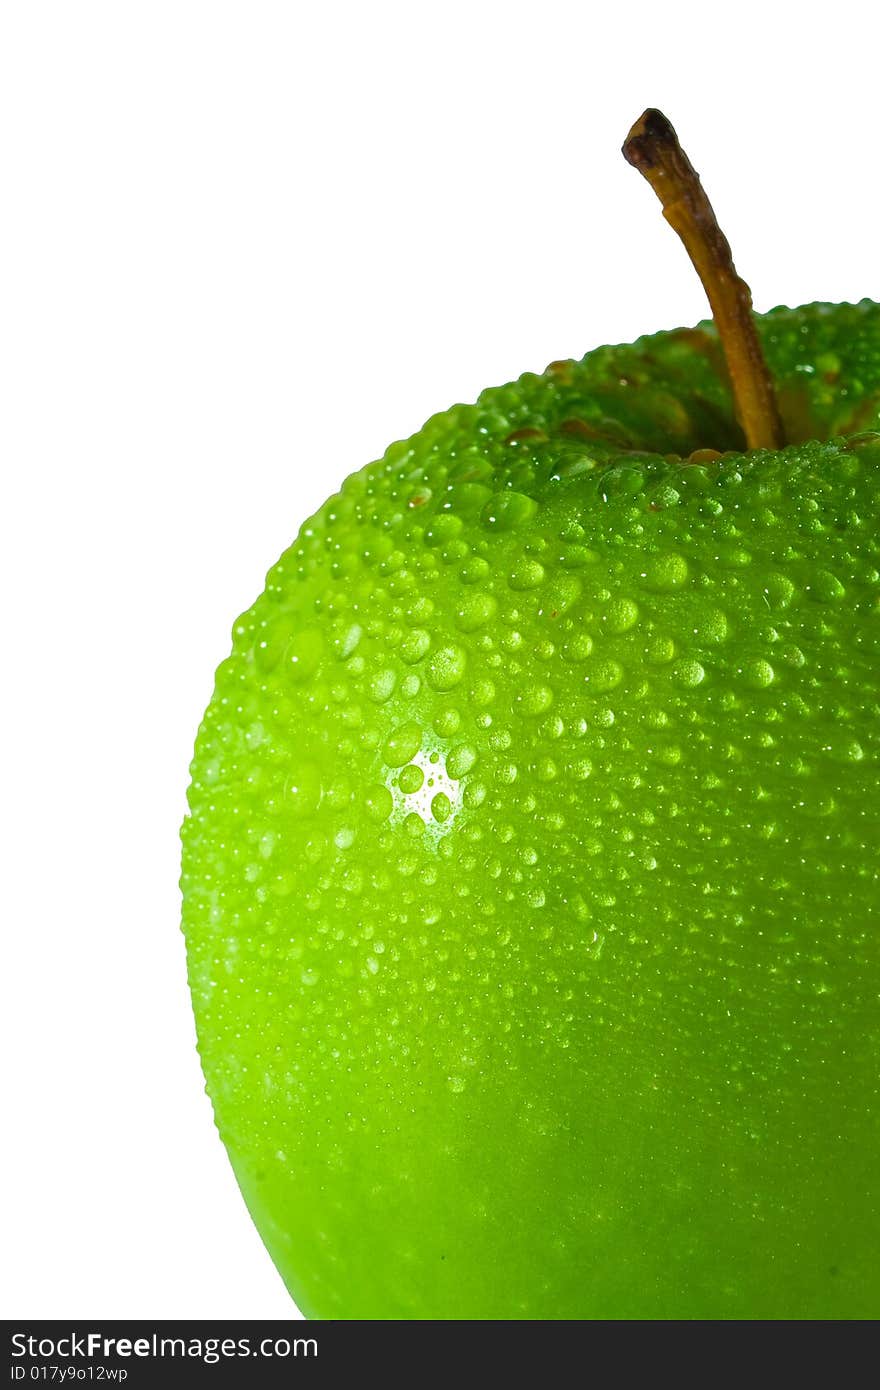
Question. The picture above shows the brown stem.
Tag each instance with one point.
(652, 147)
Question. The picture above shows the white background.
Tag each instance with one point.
(242, 247)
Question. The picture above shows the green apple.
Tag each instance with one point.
(531, 880)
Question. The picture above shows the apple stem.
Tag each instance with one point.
(653, 148)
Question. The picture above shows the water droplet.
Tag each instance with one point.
(845, 749)
(734, 557)
(447, 722)
(475, 610)
(255, 734)
(826, 587)
(338, 793)
(483, 693)
(711, 625)
(381, 686)
(604, 675)
(535, 699)
(793, 656)
(660, 650)
(411, 779)
(565, 590)
(689, 673)
(669, 754)
(575, 557)
(508, 510)
(414, 646)
(666, 572)
(526, 574)
(466, 498)
(579, 647)
(622, 615)
(475, 794)
(446, 668)
(576, 467)
(441, 807)
(758, 674)
(474, 570)
(443, 529)
(461, 760)
(403, 744)
(346, 644)
(779, 591)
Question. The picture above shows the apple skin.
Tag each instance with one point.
(530, 878)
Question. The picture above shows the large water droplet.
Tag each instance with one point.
(826, 587)
(382, 685)
(475, 610)
(508, 510)
(447, 722)
(689, 673)
(411, 779)
(535, 699)
(526, 574)
(461, 760)
(758, 674)
(779, 591)
(666, 572)
(415, 645)
(447, 667)
(604, 675)
(402, 744)
(621, 615)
